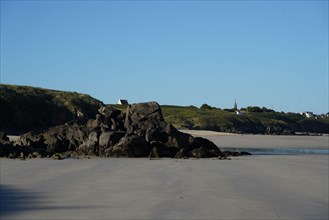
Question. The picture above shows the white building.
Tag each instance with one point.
(122, 102)
(239, 112)
(307, 114)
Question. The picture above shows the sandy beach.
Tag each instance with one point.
(230, 140)
(250, 187)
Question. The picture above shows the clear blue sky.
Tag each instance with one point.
(261, 53)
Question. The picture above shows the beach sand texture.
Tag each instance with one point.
(252, 187)
(262, 141)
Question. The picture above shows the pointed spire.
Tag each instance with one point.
(235, 105)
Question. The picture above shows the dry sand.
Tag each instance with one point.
(262, 141)
(253, 187)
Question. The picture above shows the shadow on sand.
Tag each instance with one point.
(14, 200)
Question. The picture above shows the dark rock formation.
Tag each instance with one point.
(31, 139)
(143, 117)
(67, 137)
(160, 149)
(139, 132)
(130, 146)
(3, 136)
(204, 148)
(5, 148)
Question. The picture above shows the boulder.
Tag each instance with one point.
(65, 137)
(3, 136)
(57, 144)
(5, 145)
(98, 123)
(5, 148)
(182, 153)
(130, 146)
(159, 150)
(231, 153)
(91, 145)
(109, 112)
(110, 138)
(22, 156)
(76, 134)
(175, 138)
(143, 116)
(202, 147)
(57, 156)
(31, 139)
(245, 153)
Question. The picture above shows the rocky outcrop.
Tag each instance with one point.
(130, 146)
(140, 131)
(144, 118)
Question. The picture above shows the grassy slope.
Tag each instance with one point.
(263, 122)
(24, 108)
(190, 117)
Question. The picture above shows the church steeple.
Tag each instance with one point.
(235, 105)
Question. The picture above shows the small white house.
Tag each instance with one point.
(239, 112)
(122, 102)
(307, 114)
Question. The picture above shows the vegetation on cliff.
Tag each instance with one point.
(253, 120)
(25, 108)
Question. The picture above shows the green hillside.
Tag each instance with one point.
(25, 108)
(263, 122)
(255, 120)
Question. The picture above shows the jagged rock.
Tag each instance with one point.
(109, 139)
(7, 149)
(202, 147)
(3, 136)
(31, 139)
(4, 149)
(154, 153)
(57, 157)
(182, 153)
(143, 116)
(35, 155)
(65, 137)
(91, 145)
(161, 150)
(5, 145)
(109, 112)
(57, 144)
(22, 156)
(175, 138)
(140, 132)
(202, 152)
(12, 155)
(232, 153)
(245, 153)
(76, 134)
(130, 146)
(98, 123)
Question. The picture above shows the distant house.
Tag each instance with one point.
(307, 114)
(122, 102)
(239, 112)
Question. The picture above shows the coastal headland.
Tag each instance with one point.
(178, 174)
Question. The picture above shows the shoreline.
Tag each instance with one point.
(231, 140)
(218, 133)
